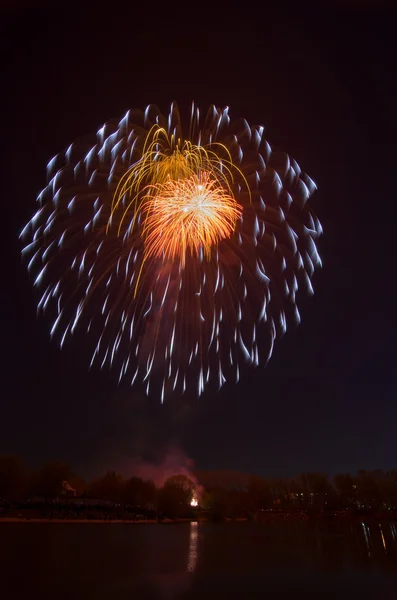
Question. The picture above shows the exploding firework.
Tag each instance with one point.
(180, 253)
(193, 213)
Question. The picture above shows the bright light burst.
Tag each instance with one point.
(182, 253)
(193, 213)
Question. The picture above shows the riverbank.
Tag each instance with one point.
(117, 521)
(38, 520)
(263, 519)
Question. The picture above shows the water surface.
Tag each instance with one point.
(314, 559)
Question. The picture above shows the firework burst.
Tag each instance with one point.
(194, 214)
(181, 255)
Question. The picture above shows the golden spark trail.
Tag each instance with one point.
(165, 159)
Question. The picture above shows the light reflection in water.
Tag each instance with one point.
(383, 538)
(380, 538)
(341, 559)
(193, 547)
(393, 531)
(367, 535)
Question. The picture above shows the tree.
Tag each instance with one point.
(279, 493)
(47, 481)
(295, 493)
(175, 496)
(110, 487)
(391, 488)
(138, 492)
(317, 485)
(372, 488)
(345, 488)
(13, 477)
(258, 493)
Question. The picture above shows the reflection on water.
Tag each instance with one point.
(336, 559)
(193, 547)
(172, 584)
(366, 537)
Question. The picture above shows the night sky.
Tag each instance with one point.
(324, 86)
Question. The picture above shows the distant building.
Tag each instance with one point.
(67, 490)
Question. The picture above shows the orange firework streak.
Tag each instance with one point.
(187, 215)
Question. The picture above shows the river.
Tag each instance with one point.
(312, 559)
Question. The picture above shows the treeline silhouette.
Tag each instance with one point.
(221, 494)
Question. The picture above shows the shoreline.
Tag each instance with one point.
(117, 521)
(272, 518)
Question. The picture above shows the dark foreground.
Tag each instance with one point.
(310, 559)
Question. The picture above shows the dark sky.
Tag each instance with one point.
(324, 86)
